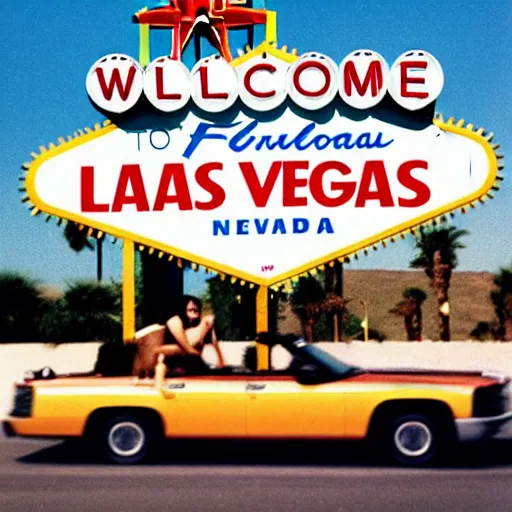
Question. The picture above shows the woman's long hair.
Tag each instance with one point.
(182, 308)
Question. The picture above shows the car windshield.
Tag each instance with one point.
(311, 354)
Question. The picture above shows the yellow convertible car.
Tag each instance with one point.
(412, 416)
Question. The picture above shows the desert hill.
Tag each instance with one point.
(382, 289)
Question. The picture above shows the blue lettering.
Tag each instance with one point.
(234, 142)
(279, 226)
(300, 225)
(379, 144)
(364, 141)
(305, 139)
(201, 133)
(318, 141)
(138, 140)
(242, 227)
(325, 225)
(342, 141)
(166, 143)
(266, 140)
(261, 227)
(219, 227)
(302, 135)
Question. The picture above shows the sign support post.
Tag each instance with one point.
(262, 351)
(128, 291)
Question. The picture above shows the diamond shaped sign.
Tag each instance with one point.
(264, 196)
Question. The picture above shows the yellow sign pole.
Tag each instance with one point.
(262, 351)
(128, 291)
(271, 28)
(144, 43)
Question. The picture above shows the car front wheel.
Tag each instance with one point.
(413, 440)
(127, 439)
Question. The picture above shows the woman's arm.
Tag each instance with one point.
(215, 344)
(175, 325)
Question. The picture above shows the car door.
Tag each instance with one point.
(278, 406)
(205, 406)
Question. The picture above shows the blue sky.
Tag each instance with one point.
(48, 48)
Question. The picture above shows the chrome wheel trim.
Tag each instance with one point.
(411, 447)
(126, 433)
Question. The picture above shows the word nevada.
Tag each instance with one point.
(116, 82)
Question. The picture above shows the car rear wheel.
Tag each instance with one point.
(413, 439)
(128, 439)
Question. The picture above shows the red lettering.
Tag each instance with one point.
(247, 80)
(160, 94)
(130, 174)
(291, 182)
(205, 93)
(374, 169)
(87, 203)
(373, 76)
(116, 82)
(260, 193)
(317, 189)
(176, 174)
(214, 189)
(315, 65)
(405, 79)
(421, 189)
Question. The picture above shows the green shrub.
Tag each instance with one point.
(21, 308)
(89, 311)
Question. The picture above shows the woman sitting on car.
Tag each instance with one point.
(186, 334)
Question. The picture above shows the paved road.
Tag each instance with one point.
(204, 477)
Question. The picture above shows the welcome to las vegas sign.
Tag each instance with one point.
(267, 166)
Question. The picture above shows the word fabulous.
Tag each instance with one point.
(116, 82)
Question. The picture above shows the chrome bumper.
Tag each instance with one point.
(476, 429)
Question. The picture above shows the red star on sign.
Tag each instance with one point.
(209, 18)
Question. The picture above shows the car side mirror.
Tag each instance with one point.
(309, 374)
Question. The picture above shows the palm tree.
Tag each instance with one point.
(501, 297)
(437, 256)
(88, 311)
(78, 241)
(312, 304)
(333, 284)
(162, 281)
(307, 290)
(410, 309)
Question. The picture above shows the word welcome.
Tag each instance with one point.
(296, 178)
(116, 82)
